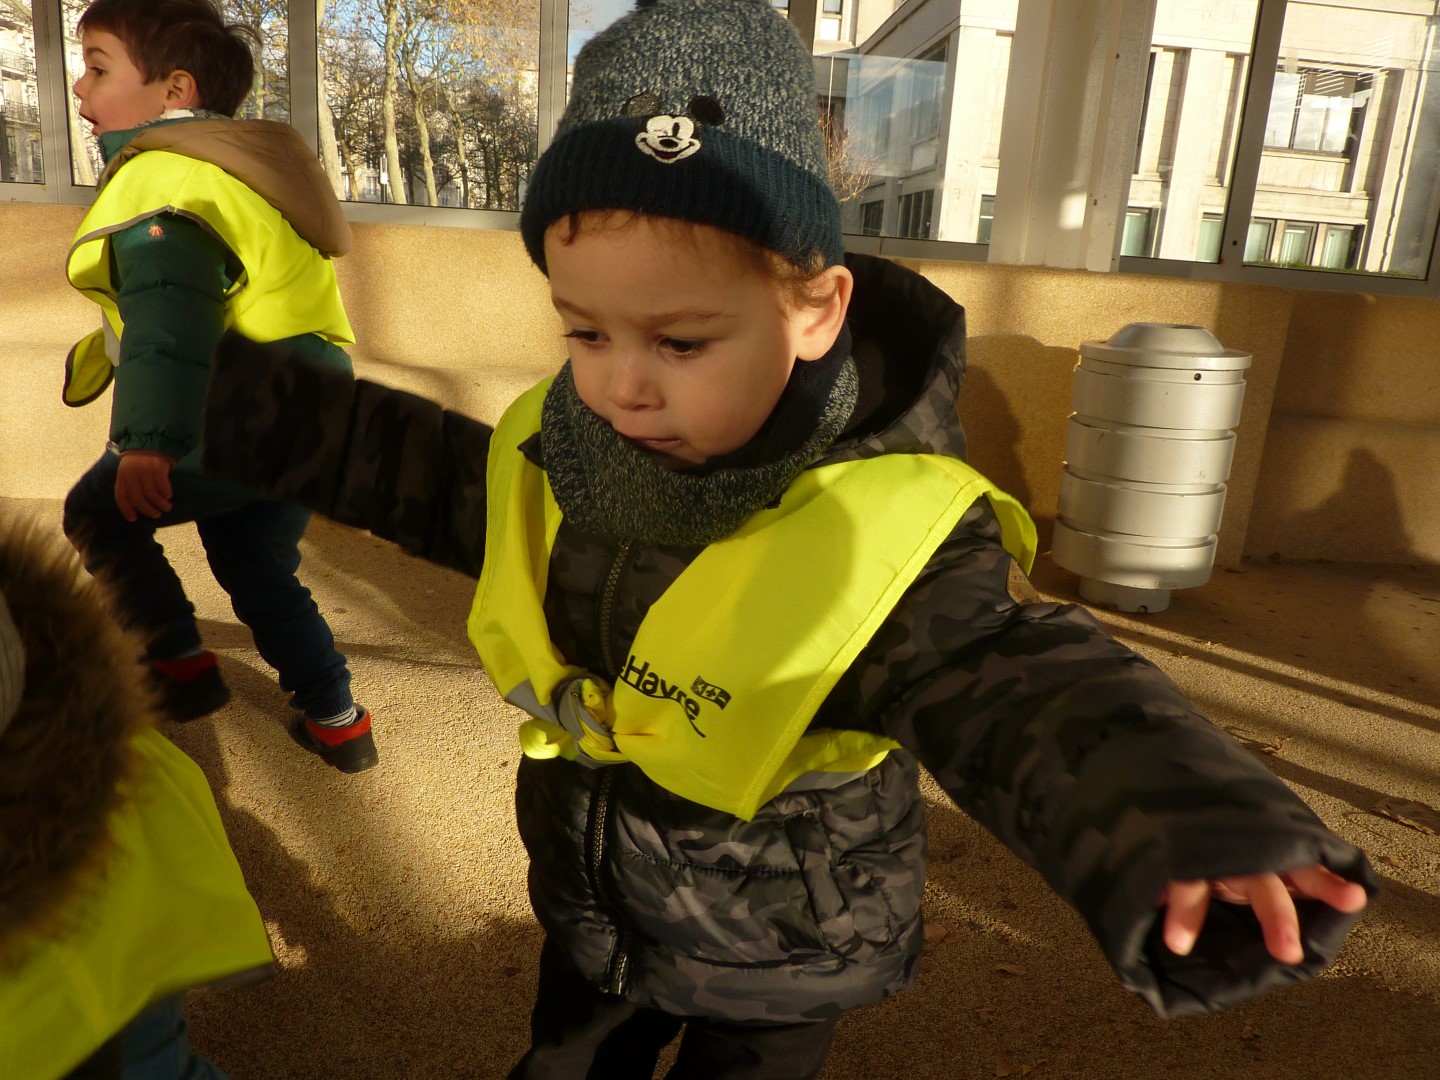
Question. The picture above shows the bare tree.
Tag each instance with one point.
(851, 166)
(329, 148)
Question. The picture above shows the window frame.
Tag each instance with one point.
(58, 187)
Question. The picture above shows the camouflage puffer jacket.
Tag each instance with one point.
(1079, 755)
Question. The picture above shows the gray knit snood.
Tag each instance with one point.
(607, 487)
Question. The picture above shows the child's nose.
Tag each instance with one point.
(631, 386)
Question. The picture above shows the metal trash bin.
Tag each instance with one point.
(1147, 453)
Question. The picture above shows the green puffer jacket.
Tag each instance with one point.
(173, 275)
(1079, 755)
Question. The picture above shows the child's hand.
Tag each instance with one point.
(143, 483)
(1269, 894)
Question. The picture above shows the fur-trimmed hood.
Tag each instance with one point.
(67, 750)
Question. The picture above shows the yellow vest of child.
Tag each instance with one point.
(166, 911)
(287, 288)
(730, 665)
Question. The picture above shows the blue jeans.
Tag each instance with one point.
(252, 546)
(153, 1046)
(156, 1047)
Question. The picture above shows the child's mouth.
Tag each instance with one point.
(658, 446)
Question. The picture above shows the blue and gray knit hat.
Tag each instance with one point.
(702, 110)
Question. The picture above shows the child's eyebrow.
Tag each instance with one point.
(95, 50)
(658, 319)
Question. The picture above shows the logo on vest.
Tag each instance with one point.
(639, 676)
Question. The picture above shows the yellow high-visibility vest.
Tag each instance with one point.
(287, 288)
(731, 663)
(167, 910)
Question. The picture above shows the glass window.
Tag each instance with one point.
(917, 211)
(987, 219)
(1135, 240)
(1340, 248)
(21, 160)
(872, 217)
(1296, 242)
(833, 7)
(1353, 131)
(1318, 109)
(1207, 246)
(923, 114)
(829, 29)
(1190, 124)
(1257, 240)
(437, 107)
(269, 98)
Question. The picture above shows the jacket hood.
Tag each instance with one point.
(909, 349)
(268, 157)
(67, 750)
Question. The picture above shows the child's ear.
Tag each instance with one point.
(819, 327)
(181, 90)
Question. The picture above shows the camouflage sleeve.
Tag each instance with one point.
(360, 453)
(1088, 762)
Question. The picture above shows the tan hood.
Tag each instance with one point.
(269, 157)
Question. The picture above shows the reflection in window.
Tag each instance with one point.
(436, 105)
(922, 117)
(1352, 132)
(269, 97)
(21, 160)
(1316, 109)
(1189, 127)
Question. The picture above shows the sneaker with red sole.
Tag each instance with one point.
(351, 749)
(189, 687)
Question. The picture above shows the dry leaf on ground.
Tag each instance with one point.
(1010, 969)
(1415, 814)
(935, 933)
(1261, 746)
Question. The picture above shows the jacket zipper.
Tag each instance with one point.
(619, 967)
(607, 602)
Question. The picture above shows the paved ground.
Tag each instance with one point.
(396, 904)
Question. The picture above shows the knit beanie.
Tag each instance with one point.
(702, 110)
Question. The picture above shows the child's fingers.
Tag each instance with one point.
(1186, 903)
(1270, 900)
(1320, 883)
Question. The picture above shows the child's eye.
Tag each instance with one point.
(584, 337)
(97, 71)
(683, 348)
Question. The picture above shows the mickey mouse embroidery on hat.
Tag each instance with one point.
(669, 138)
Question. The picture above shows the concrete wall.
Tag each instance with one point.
(461, 316)
(1352, 461)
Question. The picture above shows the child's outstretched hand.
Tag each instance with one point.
(1270, 895)
(142, 484)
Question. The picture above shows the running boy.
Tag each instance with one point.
(202, 222)
(738, 574)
